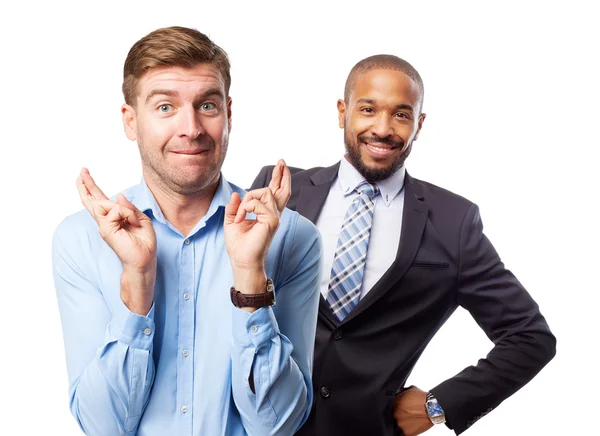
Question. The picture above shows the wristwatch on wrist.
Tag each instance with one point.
(434, 410)
(267, 298)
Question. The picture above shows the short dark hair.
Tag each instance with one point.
(383, 62)
(171, 46)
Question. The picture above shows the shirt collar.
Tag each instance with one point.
(350, 178)
(145, 201)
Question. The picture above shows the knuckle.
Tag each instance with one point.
(247, 197)
(263, 191)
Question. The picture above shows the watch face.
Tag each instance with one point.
(271, 290)
(434, 409)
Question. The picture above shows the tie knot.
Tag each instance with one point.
(369, 189)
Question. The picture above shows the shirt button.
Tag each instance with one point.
(253, 329)
(187, 241)
(147, 331)
(325, 392)
(337, 335)
(184, 409)
(186, 296)
(185, 353)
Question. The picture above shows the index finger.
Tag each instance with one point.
(286, 184)
(264, 195)
(280, 184)
(84, 195)
(276, 177)
(91, 186)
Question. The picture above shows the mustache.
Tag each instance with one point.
(387, 140)
(195, 145)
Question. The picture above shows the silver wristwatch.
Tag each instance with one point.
(434, 410)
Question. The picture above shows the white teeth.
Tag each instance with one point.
(378, 148)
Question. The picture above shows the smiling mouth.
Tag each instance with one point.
(190, 152)
(379, 150)
(379, 147)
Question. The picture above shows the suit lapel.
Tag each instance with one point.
(312, 197)
(414, 219)
(310, 203)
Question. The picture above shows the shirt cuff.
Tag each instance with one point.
(137, 330)
(254, 329)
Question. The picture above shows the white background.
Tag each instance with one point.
(511, 93)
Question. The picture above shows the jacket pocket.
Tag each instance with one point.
(430, 265)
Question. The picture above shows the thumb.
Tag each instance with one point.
(134, 218)
(232, 208)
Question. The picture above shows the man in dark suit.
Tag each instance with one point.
(399, 256)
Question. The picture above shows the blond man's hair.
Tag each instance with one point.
(171, 46)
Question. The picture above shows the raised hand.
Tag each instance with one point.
(247, 241)
(130, 235)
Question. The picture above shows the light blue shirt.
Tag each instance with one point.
(184, 368)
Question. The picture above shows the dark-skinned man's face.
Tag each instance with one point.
(381, 119)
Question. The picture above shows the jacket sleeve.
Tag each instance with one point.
(263, 178)
(523, 343)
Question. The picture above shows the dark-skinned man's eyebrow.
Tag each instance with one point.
(406, 107)
(401, 106)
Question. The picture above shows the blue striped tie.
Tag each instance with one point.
(351, 252)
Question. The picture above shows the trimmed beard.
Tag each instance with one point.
(174, 181)
(373, 174)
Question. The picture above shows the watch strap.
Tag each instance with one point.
(266, 298)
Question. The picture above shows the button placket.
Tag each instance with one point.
(186, 329)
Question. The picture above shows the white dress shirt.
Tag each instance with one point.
(385, 230)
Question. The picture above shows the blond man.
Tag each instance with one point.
(167, 292)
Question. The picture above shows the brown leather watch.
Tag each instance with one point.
(254, 300)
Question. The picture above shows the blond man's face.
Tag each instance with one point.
(181, 123)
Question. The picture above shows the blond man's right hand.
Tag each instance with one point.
(130, 234)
